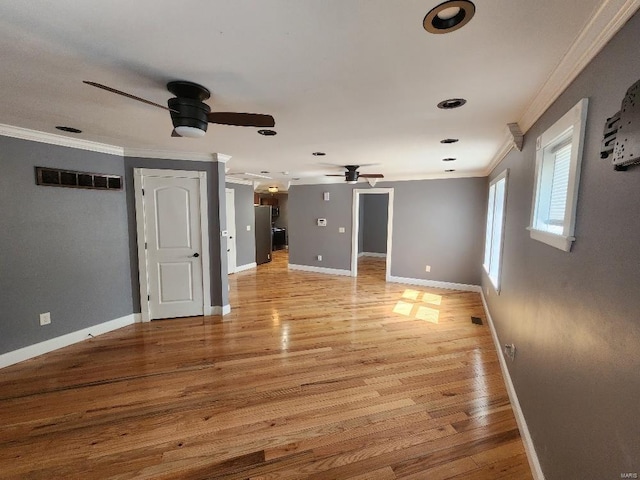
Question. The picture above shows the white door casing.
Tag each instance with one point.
(356, 227)
(231, 230)
(173, 243)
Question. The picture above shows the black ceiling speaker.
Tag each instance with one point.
(190, 115)
(352, 175)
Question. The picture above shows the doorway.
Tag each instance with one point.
(358, 240)
(173, 243)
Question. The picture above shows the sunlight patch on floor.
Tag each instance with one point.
(403, 308)
(428, 314)
(424, 313)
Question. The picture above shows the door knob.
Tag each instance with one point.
(195, 255)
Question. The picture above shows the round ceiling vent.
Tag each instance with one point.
(448, 159)
(267, 133)
(318, 154)
(450, 170)
(449, 16)
(449, 140)
(451, 103)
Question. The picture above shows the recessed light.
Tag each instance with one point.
(318, 154)
(449, 140)
(448, 159)
(69, 129)
(267, 133)
(450, 170)
(449, 16)
(451, 103)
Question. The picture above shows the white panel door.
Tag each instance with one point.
(231, 229)
(172, 225)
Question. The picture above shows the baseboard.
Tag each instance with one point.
(220, 310)
(62, 341)
(372, 254)
(435, 284)
(248, 266)
(529, 448)
(328, 271)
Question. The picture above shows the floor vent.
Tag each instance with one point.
(476, 320)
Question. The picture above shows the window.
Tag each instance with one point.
(558, 158)
(495, 228)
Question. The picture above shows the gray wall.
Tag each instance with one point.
(373, 226)
(574, 316)
(217, 222)
(64, 250)
(245, 240)
(436, 222)
(439, 223)
(306, 239)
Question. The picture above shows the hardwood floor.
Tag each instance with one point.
(310, 376)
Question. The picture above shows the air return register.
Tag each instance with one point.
(54, 177)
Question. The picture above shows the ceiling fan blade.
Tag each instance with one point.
(128, 95)
(175, 134)
(334, 175)
(371, 175)
(242, 119)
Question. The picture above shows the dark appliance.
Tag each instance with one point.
(263, 233)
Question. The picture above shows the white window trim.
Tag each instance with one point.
(576, 119)
(504, 175)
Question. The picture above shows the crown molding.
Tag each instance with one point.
(238, 181)
(169, 155)
(60, 140)
(605, 23)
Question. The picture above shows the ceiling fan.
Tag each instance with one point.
(190, 116)
(352, 175)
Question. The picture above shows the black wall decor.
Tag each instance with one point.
(622, 132)
(67, 178)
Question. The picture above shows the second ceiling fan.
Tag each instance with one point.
(352, 175)
(190, 115)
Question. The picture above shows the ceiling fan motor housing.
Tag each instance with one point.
(189, 113)
(351, 175)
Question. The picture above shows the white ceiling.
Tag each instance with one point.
(357, 79)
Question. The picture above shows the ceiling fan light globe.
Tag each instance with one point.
(189, 132)
(352, 182)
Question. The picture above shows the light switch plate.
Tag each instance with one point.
(248, 228)
(341, 230)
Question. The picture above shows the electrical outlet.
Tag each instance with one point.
(319, 258)
(341, 230)
(427, 268)
(510, 351)
(45, 318)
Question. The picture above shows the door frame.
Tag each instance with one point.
(139, 175)
(235, 229)
(355, 216)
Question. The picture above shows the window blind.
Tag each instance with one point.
(559, 187)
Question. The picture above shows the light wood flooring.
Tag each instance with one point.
(310, 376)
